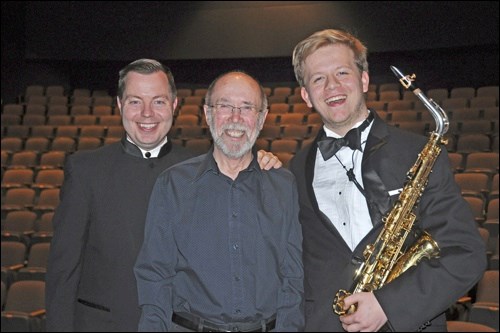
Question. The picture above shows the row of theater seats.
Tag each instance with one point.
(193, 104)
(58, 120)
(270, 90)
(59, 90)
(387, 91)
(66, 144)
(288, 139)
(455, 115)
(56, 110)
(15, 114)
(485, 96)
(447, 104)
(277, 111)
(277, 107)
(390, 100)
(464, 139)
(480, 191)
(27, 199)
(460, 113)
(188, 105)
(410, 100)
(462, 120)
(288, 94)
(26, 226)
(33, 175)
(71, 130)
(24, 262)
(99, 105)
(68, 101)
(476, 173)
(291, 139)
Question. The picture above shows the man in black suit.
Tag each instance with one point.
(345, 193)
(99, 224)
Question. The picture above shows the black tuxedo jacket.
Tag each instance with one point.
(417, 299)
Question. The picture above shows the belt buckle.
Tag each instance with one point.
(233, 328)
(210, 328)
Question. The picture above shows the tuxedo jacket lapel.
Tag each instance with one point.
(377, 195)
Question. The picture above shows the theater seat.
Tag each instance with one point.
(24, 307)
(465, 326)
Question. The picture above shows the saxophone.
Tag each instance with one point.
(385, 259)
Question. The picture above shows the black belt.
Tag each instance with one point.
(198, 324)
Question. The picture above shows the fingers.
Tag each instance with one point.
(368, 317)
(276, 162)
(351, 300)
(349, 323)
(268, 160)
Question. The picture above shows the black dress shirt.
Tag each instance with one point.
(227, 251)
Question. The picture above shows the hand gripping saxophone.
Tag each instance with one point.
(385, 259)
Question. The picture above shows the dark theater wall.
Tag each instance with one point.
(85, 43)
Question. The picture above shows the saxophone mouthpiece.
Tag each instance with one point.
(406, 80)
(397, 72)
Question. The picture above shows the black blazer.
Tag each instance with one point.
(422, 293)
(99, 229)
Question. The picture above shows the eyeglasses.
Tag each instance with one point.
(228, 109)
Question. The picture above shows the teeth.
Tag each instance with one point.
(147, 126)
(235, 133)
(336, 98)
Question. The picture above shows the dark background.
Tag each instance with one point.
(83, 44)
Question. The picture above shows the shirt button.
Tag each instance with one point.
(236, 247)
(235, 214)
(237, 311)
(236, 278)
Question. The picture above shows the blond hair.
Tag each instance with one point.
(324, 38)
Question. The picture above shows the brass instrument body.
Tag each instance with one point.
(385, 260)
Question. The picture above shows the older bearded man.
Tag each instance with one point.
(222, 248)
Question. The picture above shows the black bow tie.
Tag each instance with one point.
(329, 146)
